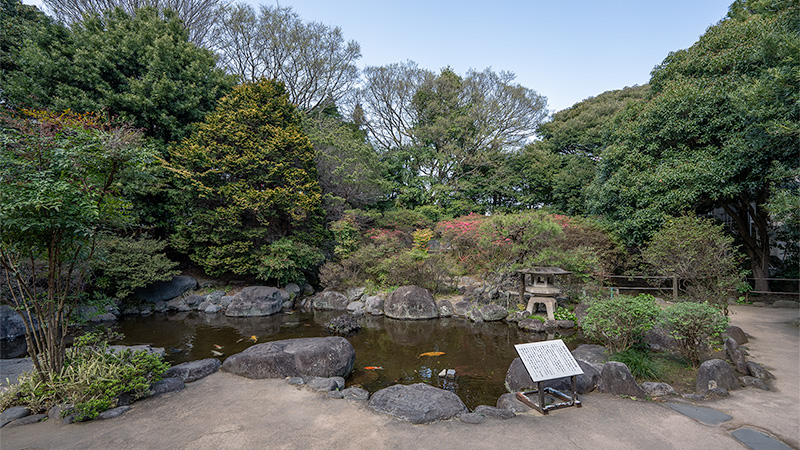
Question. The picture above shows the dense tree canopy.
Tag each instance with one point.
(141, 68)
(251, 199)
(312, 60)
(442, 134)
(722, 122)
(200, 17)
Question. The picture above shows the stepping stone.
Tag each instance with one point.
(757, 440)
(707, 416)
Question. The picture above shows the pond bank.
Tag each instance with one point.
(226, 411)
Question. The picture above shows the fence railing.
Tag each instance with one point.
(782, 286)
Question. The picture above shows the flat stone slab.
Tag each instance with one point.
(757, 440)
(707, 416)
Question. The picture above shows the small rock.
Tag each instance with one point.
(758, 371)
(753, 382)
(166, 385)
(758, 304)
(445, 308)
(293, 289)
(790, 304)
(355, 307)
(565, 324)
(493, 412)
(717, 392)
(203, 305)
(658, 389)
(472, 418)
(462, 308)
(344, 325)
(417, 403)
(374, 305)
(193, 370)
(737, 334)
(194, 300)
(736, 355)
(354, 294)
(212, 309)
(533, 325)
(334, 394)
(13, 413)
(509, 401)
(355, 393)
(114, 412)
(321, 384)
(34, 418)
(296, 381)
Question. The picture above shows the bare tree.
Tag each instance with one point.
(313, 60)
(199, 16)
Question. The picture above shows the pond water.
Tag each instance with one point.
(479, 353)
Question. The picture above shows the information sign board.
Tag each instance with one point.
(547, 360)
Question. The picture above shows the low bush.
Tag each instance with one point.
(620, 321)
(123, 264)
(694, 326)
(639, 362)
(92, 379)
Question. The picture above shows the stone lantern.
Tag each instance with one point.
(539, 284)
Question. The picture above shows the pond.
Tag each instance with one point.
(388, 351)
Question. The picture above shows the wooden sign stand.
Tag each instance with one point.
(548, 360)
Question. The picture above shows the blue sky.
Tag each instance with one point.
(567, 50)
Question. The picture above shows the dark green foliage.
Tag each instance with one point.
(694, 326)
(639, 362)
(124, 264)
(251, 202)
(620, 321)
(719, 127)
(139, 67)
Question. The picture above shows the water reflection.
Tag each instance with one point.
(388, 351)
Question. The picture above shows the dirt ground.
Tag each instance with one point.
(225, 411)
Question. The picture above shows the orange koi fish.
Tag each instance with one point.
(373, 368)
(254, 338)
(431, 354)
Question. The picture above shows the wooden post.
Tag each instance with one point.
(522, 288)
(674, 288)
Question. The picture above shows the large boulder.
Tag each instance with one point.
(330, 356)
(12, 333)
(714, 374)
(616, 379)
(659, 340)
(417, 403)
(518, 379)
(595, 355)
(193, 370)
(411, 303)
(331, 300)
(255, 301)
(165, 290)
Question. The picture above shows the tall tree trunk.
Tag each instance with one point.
(755, 244)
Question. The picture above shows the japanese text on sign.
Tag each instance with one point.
(547, 360)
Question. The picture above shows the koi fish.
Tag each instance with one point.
(216, 353)
(373, 368)
(240, 340)
(254, 338)
(217, 346)
(431, 354)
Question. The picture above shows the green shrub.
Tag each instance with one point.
(694, 326)
(92, 379)
(621, 321)
(123, 264)
(564, 314)
(639, 362)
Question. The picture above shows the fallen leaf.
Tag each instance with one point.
(431, 354)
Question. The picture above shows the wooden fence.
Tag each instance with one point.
(783, 286)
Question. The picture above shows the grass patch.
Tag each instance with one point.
(640, 363)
